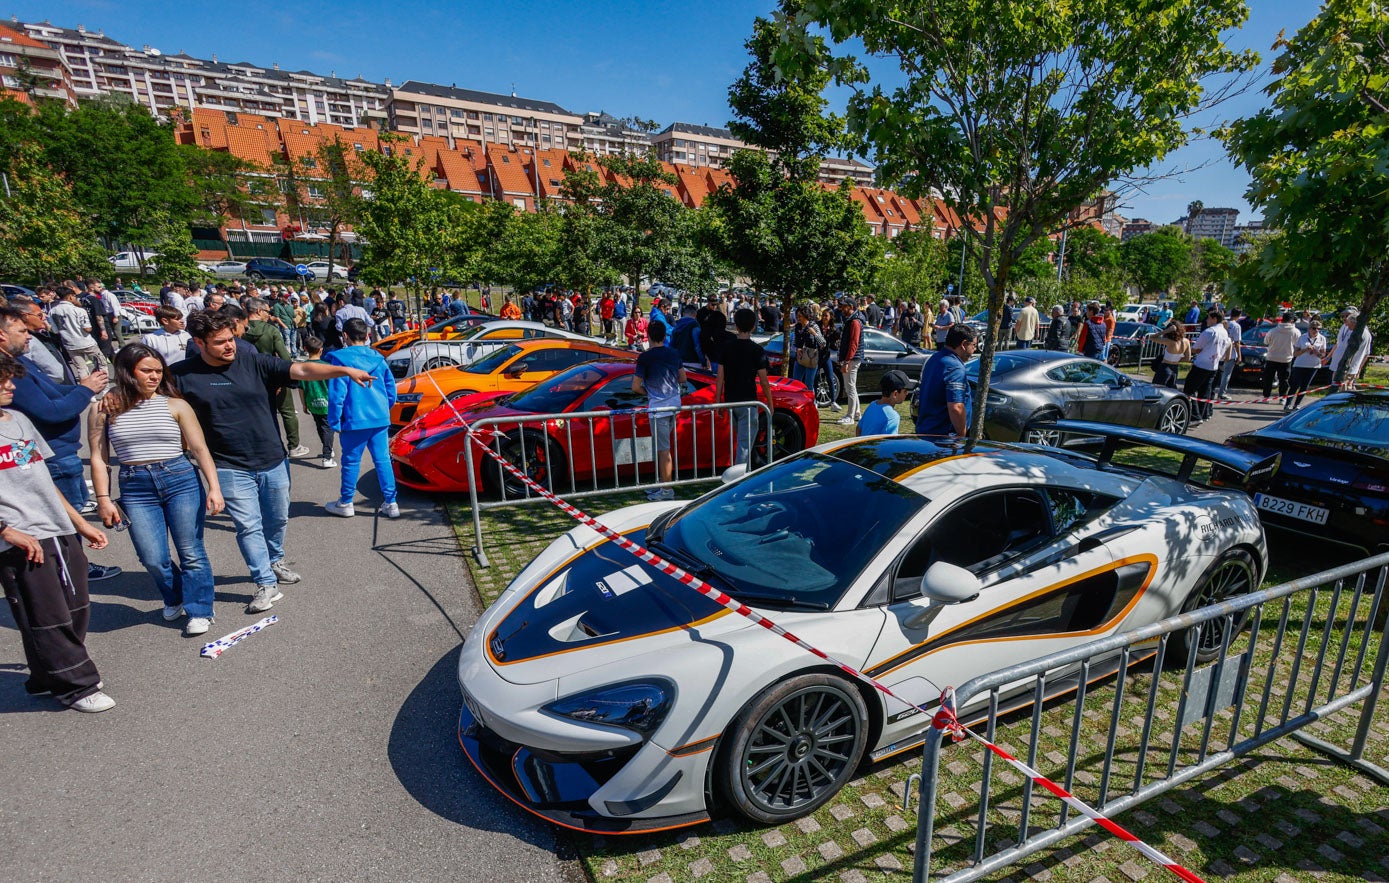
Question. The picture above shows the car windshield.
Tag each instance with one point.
(490, 363)
(778, 536)
(559, 392)
(1130, 329)
(1361, 421)
(1257, 334)
(1004, 363)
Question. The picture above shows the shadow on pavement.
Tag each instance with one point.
(13, 699)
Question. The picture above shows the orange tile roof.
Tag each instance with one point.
(694, 184)
(508, 165)
(252, 145)
(554, 167)
(16, 38)
(456, 167)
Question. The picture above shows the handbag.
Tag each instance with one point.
(808, 357)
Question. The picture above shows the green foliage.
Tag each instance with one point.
(407, 224)
(916, 270)
(526, 253)
(1031, 105)
(43, 234)
(1319, 161)
(1156, 261)
(217, 180)
(1091, 252)
(645, 221)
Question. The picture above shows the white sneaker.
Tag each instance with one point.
(87, 508)
(197, 625)
(339, 508)
(846, 421)
(298, 451)
(283, 575)
(98, 701)
(264, 598)
(172, 613)
(390, 510)
(329, 463)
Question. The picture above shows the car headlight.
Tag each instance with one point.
(408, 397)
(639, 706)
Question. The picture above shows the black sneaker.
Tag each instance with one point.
(97, 572)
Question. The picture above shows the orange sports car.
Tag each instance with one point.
(449, 329)
(512, 368)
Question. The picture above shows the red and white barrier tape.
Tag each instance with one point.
(729, 603)
(946, 721)
(1267, 399)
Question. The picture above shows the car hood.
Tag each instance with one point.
(446, 418)
(593, 609)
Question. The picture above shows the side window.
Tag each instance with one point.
(616, 393)
(1078, 372)
(1105, 374)
(877, 340)
(979, 534)
(1072, 509)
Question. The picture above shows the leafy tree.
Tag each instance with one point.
(217, 180)
(335, 173)
(584, 257)
(19, 125)
(644, 223)
(1090, 251)
(526, 254)
(1319, 161)
(1210, 266)
(915, 270)
(1031, 106)
(43, 234)
(1035, 262)
(1156, 261)
(694, 264)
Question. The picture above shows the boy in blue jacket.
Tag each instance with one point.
(361, 415)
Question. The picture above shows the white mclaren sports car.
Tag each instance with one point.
(605, 696)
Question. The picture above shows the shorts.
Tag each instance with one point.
(662, 429)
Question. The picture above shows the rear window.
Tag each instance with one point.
(1004, 363)
(559, 392)
(1359, 421)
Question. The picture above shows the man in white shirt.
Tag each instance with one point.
(74, 328)
(170, 341)
(1025, 325)
(1280, 341)
(1206, 355)
(1355, 361)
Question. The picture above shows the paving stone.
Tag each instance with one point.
(1222, 868)
(1145, 818)
(1037, 872)
(1269, 842)
(760, 877)
(1100, 879)
(689, 841)
(1285, 878)
(1307, 772)
(1135, 870)
(888, 862)
(774, 839)
(896, 824)
(1169, 806)
(1228, 817)
(700, 868)
(1368, 826)
(872, 800)
(829, 851)
(660, 878)
(1332, 854)
(793, 865)
(740, 853)
(853, 875)
(610, 868)
(1287, 828)
(954, 800)
(1350, 840)
(1206, 829)
(648, 857)
(864, 837)
(1247, 855)
(957, 767)
(1345, 792)
(808, 825)
(841, 812)
(1185, 844)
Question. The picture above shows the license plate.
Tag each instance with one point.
(1291, 508)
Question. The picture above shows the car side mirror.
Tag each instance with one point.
(512, 374)
(1124, 381)
(949, 583)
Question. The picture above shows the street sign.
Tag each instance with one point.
(302, 269)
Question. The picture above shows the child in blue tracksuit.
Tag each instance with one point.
(361, 415)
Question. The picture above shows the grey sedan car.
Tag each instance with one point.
(1032, 389)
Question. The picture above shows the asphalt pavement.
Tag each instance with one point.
(321, 748)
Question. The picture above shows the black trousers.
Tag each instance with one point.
(325, 434)
(50, 606)
(1278, 370)
(1199, 383)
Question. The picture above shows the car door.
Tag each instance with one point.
(1048, 581)
(1079, 387)
(620, 444)
(881, 353)
(1122, 401)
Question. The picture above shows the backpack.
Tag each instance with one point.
(684, 342)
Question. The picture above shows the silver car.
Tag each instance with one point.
(1032, 389)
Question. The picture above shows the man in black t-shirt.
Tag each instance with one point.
(229, 389)
(742, 367)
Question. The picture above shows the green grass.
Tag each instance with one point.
(1282, 811)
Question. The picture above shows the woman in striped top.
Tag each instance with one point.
(152, 432)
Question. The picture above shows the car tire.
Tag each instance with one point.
(825, 392)
(788, 437)
(1115, 357)
(1176, 418)
(255, 276)
(792, 748)
(439, 362)
(536, 455)
(1039, 430)
(1233, 574)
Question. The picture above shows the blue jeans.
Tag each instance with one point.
(745, 423)
(258, 503)
(291, 338)
(805, 375)
(356, 441)
(67, 475)
(163, 499)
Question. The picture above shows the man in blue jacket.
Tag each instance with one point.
(361, 416)
(56, 412)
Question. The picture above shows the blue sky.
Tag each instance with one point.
(657, 60)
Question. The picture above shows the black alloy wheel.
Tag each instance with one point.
(788, 437)
(1232, 575)
(539, 458)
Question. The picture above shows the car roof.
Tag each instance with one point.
(940, 469)
(549, 343)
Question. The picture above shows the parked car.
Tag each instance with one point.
(129, 262)
(1333, 481)
(228, 269)
(473, 344)
(428, 453)
(1127, 346)
(274, 268)
(449, 329)
(602, 694)
(512, 368)
(1032, 389)
(16, 290)
(320, 270)
(882, 353)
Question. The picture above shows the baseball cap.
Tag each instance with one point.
(893, 381)
(847, 300)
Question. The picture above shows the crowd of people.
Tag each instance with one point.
(197, 418)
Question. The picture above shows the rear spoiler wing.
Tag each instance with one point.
(1249, 467)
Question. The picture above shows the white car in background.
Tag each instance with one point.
(603, 695)
(227, 269)
(320, 270)
(475, 343)
(129, 262)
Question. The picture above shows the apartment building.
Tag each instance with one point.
(488, 118)
(688, 144)
(30, 69)
(834, 169)
(1137, 227)
(1214, 223)
(78, 46)
(604, 134)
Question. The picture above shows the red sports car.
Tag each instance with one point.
(428, 454)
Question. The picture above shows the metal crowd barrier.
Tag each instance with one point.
(633, 452)
(1304, 657)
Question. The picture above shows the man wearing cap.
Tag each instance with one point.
(1025, 326)
(881, 417)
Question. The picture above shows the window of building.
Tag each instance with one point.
(506, 159)
(456, 114)
(519, 203)
(679, 143)
(487, 118)
(267, 216)
(488, 132)
(516, 121)
(545, 138)
(545, 162)
(472, 114)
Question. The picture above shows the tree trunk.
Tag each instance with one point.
(787, 321)
(986, 357)
(332, 241)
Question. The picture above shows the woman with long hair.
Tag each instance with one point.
(325, 325)
(152, 432)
